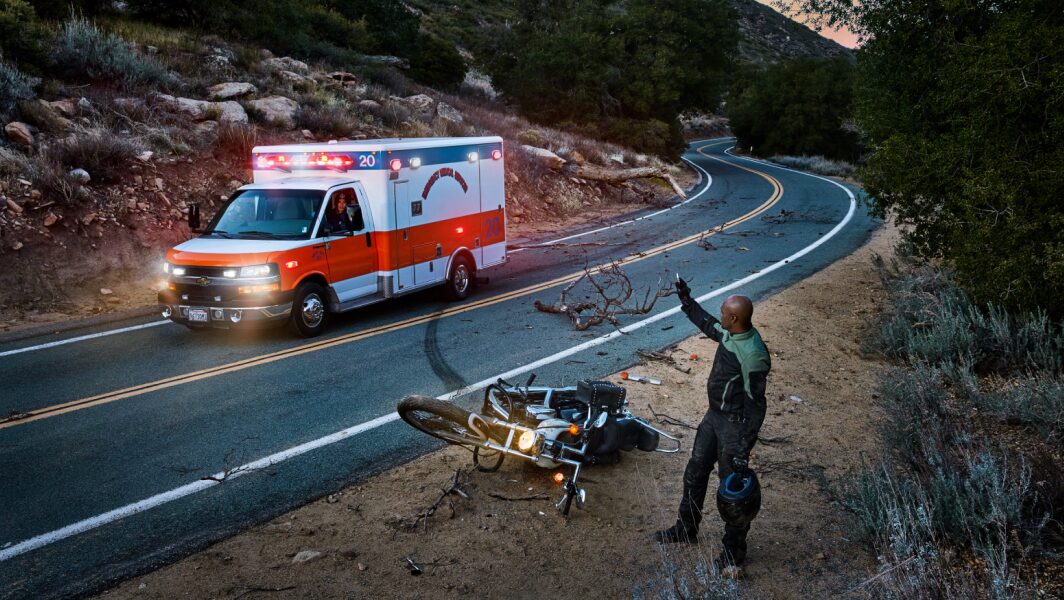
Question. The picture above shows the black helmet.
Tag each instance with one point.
(739, 498)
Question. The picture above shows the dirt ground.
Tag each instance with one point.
(507, 540)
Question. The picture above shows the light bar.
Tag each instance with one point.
(313, 160)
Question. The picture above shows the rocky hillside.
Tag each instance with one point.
(766, 35)
(97, 173)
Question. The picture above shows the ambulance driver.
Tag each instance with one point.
(337, 216)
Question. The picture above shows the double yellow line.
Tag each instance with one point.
(162, 384)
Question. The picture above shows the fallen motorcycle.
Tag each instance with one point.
(580, 425)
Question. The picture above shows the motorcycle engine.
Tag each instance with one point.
(553, 430)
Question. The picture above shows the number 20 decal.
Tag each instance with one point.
(367, 160)
(493, 227)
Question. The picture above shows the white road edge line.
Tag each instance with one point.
(82, 338)
(91, 523)
(699, 170)
(540, 245)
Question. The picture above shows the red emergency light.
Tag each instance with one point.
(496, 154)
(396, 164)
(312, 160)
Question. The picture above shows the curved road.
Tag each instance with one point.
(138, 447)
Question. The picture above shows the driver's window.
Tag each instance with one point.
(342, 213)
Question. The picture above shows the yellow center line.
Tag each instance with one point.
(161, 384)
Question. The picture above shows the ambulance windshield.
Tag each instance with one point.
(281, 214)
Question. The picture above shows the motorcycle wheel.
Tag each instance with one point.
(441, 420)
(487, 461)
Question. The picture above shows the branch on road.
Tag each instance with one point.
(612, 290)
(228, 471)
(662, 357)
(665, 419)
(421, 519)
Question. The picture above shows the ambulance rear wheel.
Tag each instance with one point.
(309, 311)
(462, 279)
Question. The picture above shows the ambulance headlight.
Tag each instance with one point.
(255, 271)
(166, 267)
(178, 271)
(527, 441)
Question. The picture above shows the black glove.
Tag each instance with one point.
(740, 466)
(684, 292)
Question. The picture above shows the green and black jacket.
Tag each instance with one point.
(736, 385)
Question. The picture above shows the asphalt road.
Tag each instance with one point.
(104, 477)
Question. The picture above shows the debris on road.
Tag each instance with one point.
(306, 556)
(613, 289)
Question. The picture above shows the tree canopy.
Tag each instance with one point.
(615, 64)
(962, 105)
(799, 107)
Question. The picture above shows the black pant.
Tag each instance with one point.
(716, 434)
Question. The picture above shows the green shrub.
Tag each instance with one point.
(797, 107)
(931, 319)
(45, 174)
(22, 35)
(83, 50)
(14, 88)
(333, 120)
(437, 63)
(651, 136)
(1036, 402)
(816, 164)
(102, 153)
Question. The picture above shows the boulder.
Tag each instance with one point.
(276, 109)
(545, 156)
(196, 109)
(292, 78)
(448, 113)
(20, 133)
(369, 104)
(285, 63)
(84, 104)
(388, 61)
(80, 176)
(230, 90)
(229, 112)
(422, 105)
(67, 107)
(344, 77)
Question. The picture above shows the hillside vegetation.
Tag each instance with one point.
(114, 125)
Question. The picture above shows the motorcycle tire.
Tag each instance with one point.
(441, 420)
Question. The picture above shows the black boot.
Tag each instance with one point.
(677, 534)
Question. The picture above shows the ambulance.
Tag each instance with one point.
(329, 227)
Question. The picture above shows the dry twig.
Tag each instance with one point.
(665, 419)
(421, 518)
(519, 498)
(613, 289)
(665, 358)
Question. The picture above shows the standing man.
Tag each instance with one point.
(727, 433)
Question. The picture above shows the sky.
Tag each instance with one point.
(842, 36)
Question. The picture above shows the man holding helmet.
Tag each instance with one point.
(727, 433)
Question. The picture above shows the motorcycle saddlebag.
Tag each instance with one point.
(602, 394)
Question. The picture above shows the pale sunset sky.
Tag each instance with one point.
(842, 36)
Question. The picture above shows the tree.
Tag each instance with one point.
(627, 67)
(797, 107)
(962, 104)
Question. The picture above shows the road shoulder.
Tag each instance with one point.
(820, 421)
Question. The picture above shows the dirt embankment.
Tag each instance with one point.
(507, 540)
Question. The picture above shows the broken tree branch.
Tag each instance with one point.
(519, 498)
(613, 289)
(422, 517)
(665, 358)
(596, 173)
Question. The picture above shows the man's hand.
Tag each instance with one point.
(683, 291)
(740, 466)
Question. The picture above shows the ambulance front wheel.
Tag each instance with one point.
(309, 311)
(462, 279)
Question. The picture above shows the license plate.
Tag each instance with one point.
(198, 314)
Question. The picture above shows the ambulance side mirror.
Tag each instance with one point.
(194, 218)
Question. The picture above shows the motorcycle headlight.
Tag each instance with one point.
(527, 441)
(255, 271)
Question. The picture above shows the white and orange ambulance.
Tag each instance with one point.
(330, 227)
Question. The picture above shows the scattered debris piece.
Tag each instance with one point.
(306, 556)
(613, 289)
(668, 420)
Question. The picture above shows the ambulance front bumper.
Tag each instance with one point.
(226, 313)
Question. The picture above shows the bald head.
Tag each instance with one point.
(735, 313)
